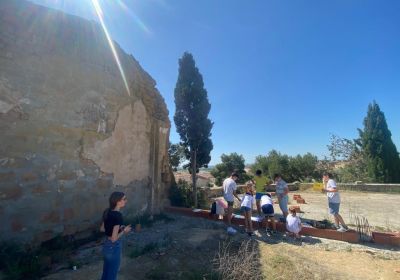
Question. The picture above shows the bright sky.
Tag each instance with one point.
(279, 74)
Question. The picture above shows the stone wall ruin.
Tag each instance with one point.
(70, 133)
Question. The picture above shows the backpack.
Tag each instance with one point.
(213, 208)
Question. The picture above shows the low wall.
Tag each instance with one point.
(362, 187)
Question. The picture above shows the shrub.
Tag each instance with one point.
(180, 195)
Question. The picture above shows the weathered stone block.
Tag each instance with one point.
(50, 217)
(66, 175)
(69, 229)
(29, 177)
(13, 192)
(68, 214)
(7, 176)
(104, 183)
(41, 188)
(16, 226)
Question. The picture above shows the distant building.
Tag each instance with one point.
(204, 179)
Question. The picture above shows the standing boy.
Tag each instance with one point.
(282, 191)
(260, 182)
(230, 187)
(333, 201)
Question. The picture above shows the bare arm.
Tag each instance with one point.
(286, 190)
(236, 195)
(116, 234)
(330, 189)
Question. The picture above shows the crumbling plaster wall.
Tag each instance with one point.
(70, 132)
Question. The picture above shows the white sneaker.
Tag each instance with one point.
(342, 229)
(231, 230)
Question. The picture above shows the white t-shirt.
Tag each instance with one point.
(265, 199)
(229, 186)
(333, 197)
(293, 223)
(281, 187)
(247, 201)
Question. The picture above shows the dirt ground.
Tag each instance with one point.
(186, 247)
(380, 209)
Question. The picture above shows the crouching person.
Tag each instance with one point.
(293, 223)
(267, 207)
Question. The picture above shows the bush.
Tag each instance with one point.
(181, 195)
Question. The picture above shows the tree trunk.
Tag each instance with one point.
(194, 169)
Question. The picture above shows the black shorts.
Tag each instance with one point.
(268, 210)
(230, 203)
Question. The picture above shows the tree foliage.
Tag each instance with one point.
(379, 151)
(230, 163)
(298, 168)
(191, 117)
(347, 160)
(176, 153)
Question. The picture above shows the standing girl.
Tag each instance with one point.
(247, 207)
(113, 227)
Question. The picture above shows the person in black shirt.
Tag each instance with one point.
(113, 227)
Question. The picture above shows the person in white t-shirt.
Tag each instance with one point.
(229, 186)
(333, 201)
(293, 223)
(247, 207)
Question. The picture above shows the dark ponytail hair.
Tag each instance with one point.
(113, 200)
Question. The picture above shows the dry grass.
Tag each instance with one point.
(237, 263)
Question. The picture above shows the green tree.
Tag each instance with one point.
(191, 117)
(176, 153)
(354, 167)
(303, 167)
(300, 167)
(273, 162)
(383, 162)
(230, 163)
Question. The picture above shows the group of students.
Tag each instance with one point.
(113, 226)
(255, 190)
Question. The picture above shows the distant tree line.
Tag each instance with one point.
(372, 157)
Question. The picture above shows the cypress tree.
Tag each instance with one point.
(383, 162)
(191, 117)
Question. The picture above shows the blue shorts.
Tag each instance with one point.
(268, 210)
(283, 204)
(334, 208)
(245, 209)
(259, 195)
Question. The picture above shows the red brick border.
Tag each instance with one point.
(349, 236)
(386, 238)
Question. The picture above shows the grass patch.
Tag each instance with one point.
(279, 261)
(148, 248)
(159, 273)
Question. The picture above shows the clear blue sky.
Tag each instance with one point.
(279, 74)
